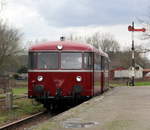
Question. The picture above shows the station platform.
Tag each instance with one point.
(121, 108)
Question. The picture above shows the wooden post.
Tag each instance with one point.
(9, 94)
(9, 100)
(6, 85)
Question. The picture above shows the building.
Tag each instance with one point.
(146, 73)
(123, 73)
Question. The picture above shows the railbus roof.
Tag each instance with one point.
(66, 46)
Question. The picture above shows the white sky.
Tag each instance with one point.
(49, 19)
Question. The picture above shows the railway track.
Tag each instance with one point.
(33, 120)
(22, 123)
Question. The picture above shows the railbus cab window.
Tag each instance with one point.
(47, 60)
(43, 60)
(71, 60)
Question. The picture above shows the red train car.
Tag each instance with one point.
(66, 71)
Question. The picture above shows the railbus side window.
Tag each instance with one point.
(87, 61)
(32, 60)
(103, 63)
(97, 62)
(106, 64)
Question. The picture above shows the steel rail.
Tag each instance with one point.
(20, 122)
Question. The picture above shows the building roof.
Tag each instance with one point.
(146, 70)
(119, 69)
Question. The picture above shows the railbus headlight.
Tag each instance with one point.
(40, 78)
(78, 78)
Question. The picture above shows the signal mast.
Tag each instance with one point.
(132, 29)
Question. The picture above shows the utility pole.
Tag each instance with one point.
(132, 29)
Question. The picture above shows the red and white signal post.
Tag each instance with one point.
(132, 29)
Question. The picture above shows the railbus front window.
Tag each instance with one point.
(71, 60)
(47, 60)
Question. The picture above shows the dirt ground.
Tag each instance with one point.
(122, 108)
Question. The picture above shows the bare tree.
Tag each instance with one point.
(76, 38)
(2, 5)
(124, 58)
(109, 45)
(9, 43)
(146, 35)
(36, 41)
(104, 41)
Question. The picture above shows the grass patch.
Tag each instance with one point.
(142, 83)
(118, 83)
(2, 96)
(16, 92)
(24, 107)
(19, 91)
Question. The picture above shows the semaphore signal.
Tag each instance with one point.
(132, 29)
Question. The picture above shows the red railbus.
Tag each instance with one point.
(64, 71)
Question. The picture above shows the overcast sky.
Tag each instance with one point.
(49, 19)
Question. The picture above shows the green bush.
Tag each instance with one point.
(16, 76)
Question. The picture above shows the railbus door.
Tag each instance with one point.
(102, 73)
(106, 74)
(97, 74)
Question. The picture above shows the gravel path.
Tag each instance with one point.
(122, 108)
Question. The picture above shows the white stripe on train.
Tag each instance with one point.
(65, 71)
